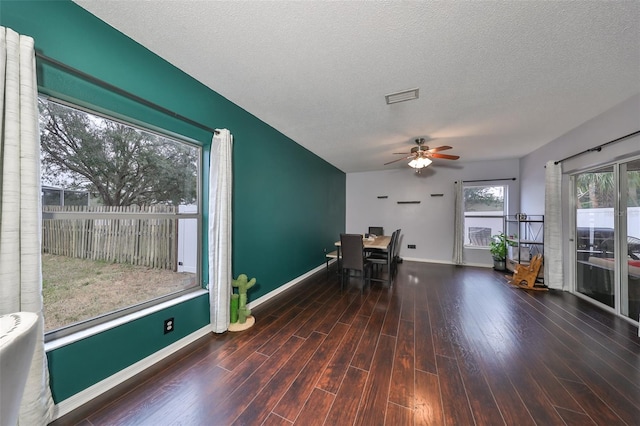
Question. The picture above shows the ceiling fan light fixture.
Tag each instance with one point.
(405, 95)
(420, 162)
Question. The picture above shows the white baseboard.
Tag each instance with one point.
(297, 280)
(284, 287)
(445, 262)
(417, 259)
(92, 392)
(479, 265)
(81, 398)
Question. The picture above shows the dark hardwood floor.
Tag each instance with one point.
(445, 345)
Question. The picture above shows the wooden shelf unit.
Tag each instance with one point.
(525, 237)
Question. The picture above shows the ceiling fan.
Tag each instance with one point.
(421, 155)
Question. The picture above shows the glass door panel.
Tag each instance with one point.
(630, 283)
(595, 193)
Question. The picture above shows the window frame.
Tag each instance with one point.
(117, 315)
(505, 208)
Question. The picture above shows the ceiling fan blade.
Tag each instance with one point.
(399, 159)
(445, 156)
(401, 153)
(439, 148)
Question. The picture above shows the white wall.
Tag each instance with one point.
(614, 123)
(428, 225)
(618, 121)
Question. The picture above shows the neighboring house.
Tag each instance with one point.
(288, 200)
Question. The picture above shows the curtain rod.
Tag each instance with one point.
(122, 92)
(486, 180)
(599, 147)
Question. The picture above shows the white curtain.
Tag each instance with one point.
(458, 230)
(553, 257)
(20, 212)
(220, 181)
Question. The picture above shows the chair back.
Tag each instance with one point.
(396, 245)
(392, 243)
(376, 230)
(351, 248)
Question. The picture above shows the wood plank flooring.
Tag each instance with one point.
(445, 345)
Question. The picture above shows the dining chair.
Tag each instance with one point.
(396, 252)
(353, 259)
(377, 231)
(332, 255)
(384, 257)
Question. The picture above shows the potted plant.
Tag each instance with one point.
(498, 249)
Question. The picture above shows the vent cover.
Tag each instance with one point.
(405, 95)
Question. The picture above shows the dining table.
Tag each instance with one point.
(378, 242)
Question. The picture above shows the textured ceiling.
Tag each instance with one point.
(497, 79)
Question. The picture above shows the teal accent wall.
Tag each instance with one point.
(286, 211)
(80, 365)
(288, 207)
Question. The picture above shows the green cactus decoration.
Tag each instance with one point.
(243, 284)
(234, 308)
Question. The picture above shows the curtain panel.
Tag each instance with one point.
(20, 210)
(220, 191)
(458, 230)
(553, 254)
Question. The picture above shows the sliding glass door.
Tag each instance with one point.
(630, 267)
(608, 236)
(595, 235)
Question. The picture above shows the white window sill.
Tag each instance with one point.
(476, 248)
(92, 331)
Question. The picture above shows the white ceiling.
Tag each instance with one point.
(496, 79)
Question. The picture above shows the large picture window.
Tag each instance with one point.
(121, 217)
(484, 211)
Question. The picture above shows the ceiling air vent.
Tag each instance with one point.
(405, 95)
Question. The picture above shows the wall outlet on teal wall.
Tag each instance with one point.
(169, 325)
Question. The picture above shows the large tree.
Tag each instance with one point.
(121, 164)
(483, 198)
(595, 189)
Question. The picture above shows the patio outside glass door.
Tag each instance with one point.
(595, 193)
(608, 236)
(630, 285)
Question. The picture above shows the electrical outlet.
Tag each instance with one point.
(168, 325)
(412, 246)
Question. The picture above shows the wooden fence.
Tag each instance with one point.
(145, 241)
